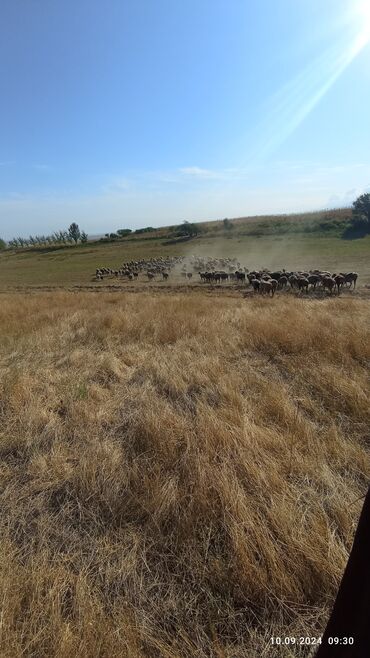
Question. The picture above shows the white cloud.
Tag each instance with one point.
(198, 172)
(346, 199)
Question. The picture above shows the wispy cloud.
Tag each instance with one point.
(117, 185)
(346, 199)
(41, 167)
(202, 174)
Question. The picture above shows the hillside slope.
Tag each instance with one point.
(306, 241)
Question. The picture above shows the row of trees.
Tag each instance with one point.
(72, 235)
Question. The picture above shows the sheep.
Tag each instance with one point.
(274, 283)
(351, 277)
(302, 283)
(283, 281)
(313, 280)
(329, 283)
(267, 287)
(339, 281)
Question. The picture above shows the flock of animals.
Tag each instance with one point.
(219, 270)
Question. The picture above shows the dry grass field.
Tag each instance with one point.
(180, 475)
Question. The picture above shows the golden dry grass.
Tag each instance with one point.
(179, 475)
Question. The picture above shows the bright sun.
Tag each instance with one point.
(363, 10)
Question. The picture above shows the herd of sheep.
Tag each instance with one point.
(219, 270)
(150, 266)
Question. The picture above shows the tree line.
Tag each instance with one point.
(72, 235)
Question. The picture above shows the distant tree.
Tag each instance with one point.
(60, 237)
(361, 213)
(74, 232)
(124, 231)
(228, 226)
(2, 244)
(189, 229)
(147, 229)
(84, 237)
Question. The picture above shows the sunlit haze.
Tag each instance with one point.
(127, 114)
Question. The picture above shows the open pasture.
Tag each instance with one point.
(75, 266)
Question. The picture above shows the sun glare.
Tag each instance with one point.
(300, 95)
(363, 12)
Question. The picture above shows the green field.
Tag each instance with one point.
(297, 242)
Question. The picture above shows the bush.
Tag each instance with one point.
(361, 213)
(148, 229)
(189, 229)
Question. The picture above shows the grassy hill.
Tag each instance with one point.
(297, 241)
(179, 478)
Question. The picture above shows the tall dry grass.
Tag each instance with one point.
(179, 476)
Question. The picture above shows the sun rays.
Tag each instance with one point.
(297, 98)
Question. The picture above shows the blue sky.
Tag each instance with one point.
(126, 113)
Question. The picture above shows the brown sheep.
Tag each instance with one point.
(302, 283)
(267, 287)
(313, 280)
(256, 284)
(351, 277)
(274, 284)
(328, 283)
(293, 280)
(283, 281)
(339, 281)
